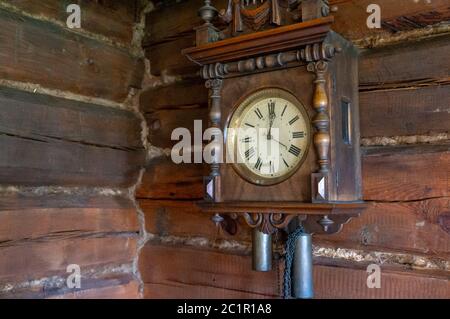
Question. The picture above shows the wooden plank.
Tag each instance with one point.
(163, 122)
(33, 259)
(97, 286)
(345, 283)
(392, 65)
(77, 199)
(185, 219)
(187, 291)
(36, 115)
(167, 57)
(410, 111)
(202, 273)
(187, 94)
(53, 141)
(210, 270)
(394, 15)
(164, 179)
(42, 53)
(126, 291)
(406, 173)
(417, 227)
(24, 218)
(50, 161)
(111, 19)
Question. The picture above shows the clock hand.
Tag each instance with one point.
(279, 142)
(271, 120)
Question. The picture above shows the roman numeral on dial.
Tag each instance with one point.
(258, 164)
(249, 125)
(249, 153)
(258, 113)
(298, 134)
(294, 150)
(247, 140)
(293, 120)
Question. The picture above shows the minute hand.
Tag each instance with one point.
(279, 142)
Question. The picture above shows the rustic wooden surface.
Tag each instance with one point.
(41, 53)
(65, 165)
(111, 19)
(54, 141)
(404, 91)
(189, 275)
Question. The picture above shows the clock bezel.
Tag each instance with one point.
(238, 109)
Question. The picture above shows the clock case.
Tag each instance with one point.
(320, 68)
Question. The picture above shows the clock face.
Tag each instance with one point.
(268, 136)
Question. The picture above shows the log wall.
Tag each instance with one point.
(70, 149)
(405, 121)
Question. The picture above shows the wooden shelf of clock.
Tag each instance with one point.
(318, 218)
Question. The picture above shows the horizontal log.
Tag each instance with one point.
(195, 273)
(410, 111)
(395, 16)
(163, 122)
(406, 173)
(99, 285)
(43, 53)
(405, 64)
(186, 94)
(54, 141)
(34, 116)
(113, 19)
(179, 290)
(350, 281)
(30, 259)
(164, 179)
(38, 218)
(129, 290)
(417, 227)
(167, 57)
(185, 219)
(209, 270)
(51, 161)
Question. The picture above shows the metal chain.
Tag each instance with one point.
(289, 257)
(277, 266)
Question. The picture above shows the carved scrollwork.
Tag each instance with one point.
(267, 223)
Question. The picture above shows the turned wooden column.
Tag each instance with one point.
(321, 120)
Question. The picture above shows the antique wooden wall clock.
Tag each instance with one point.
(280, 79)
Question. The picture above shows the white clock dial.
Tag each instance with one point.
(268, 136)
